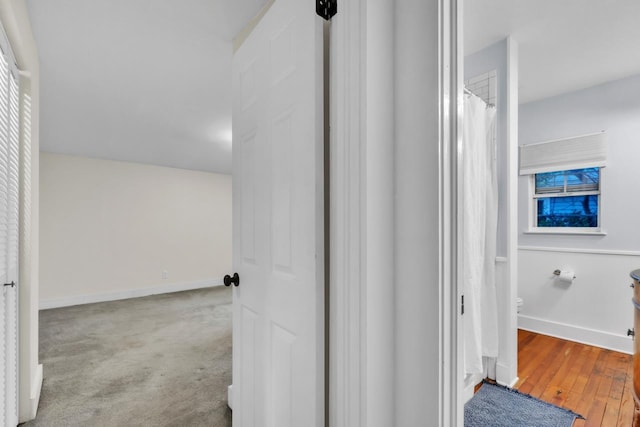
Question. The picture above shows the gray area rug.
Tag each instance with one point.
(496, 406)
(163, 360)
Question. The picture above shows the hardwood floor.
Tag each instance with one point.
(591, 381)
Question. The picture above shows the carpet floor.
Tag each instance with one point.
(163, 360)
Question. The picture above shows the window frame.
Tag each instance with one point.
(533, 209)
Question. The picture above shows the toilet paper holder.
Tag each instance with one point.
(557, 272)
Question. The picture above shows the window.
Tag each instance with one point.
(567, 199)
(565, 176)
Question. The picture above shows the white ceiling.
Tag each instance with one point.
(149, 80)
(563, 45)
(145, 80)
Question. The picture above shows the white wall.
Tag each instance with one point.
(613, 107)
(596, 308)
(109, 229)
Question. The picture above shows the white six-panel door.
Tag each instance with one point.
(278, 235)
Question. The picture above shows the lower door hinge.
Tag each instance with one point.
(326, 8)
(462, 305)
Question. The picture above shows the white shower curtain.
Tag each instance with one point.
(480, 220)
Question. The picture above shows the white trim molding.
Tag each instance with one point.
(505, 371)
(470, 383)
(230, 396)
(428, 383)
(347, 343)
(378, 215)
(29, 403)
(580, 250)
(507, 272)
(453, 388)
(616, 342)
(566, 232)
(393, 152)
(36, 390)
(130, 293)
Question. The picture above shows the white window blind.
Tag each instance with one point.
(564, 154)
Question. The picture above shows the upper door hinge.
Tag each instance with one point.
(326, 8)
(462, 305)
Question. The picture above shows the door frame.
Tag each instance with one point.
(360, 234)
(363, 360)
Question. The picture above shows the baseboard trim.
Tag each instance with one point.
(505, 375)
(580, 251)
(36, 390)
(513, 382)
(470, 383)
(29, 410)
(131, 293)
(579, 334)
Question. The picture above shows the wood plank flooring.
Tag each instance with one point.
(591, 381)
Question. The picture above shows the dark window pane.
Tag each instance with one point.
(587, 179)
(571, 211)
(583, 179)
(550, 182)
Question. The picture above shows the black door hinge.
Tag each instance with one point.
(326, 8)
(462, 305)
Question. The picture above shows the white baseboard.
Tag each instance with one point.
(579, 334)
(37, 389)
(230, 396)
(506, 375)
(130, 293)
(29, 410)
(470, 383)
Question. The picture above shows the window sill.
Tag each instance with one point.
(572, 232)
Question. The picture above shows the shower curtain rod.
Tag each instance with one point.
(471, 93)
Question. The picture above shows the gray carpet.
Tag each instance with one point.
(163, 360)
(497, 406)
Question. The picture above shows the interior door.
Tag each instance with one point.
(278, 234)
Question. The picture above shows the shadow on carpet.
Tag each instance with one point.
(498, 406)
